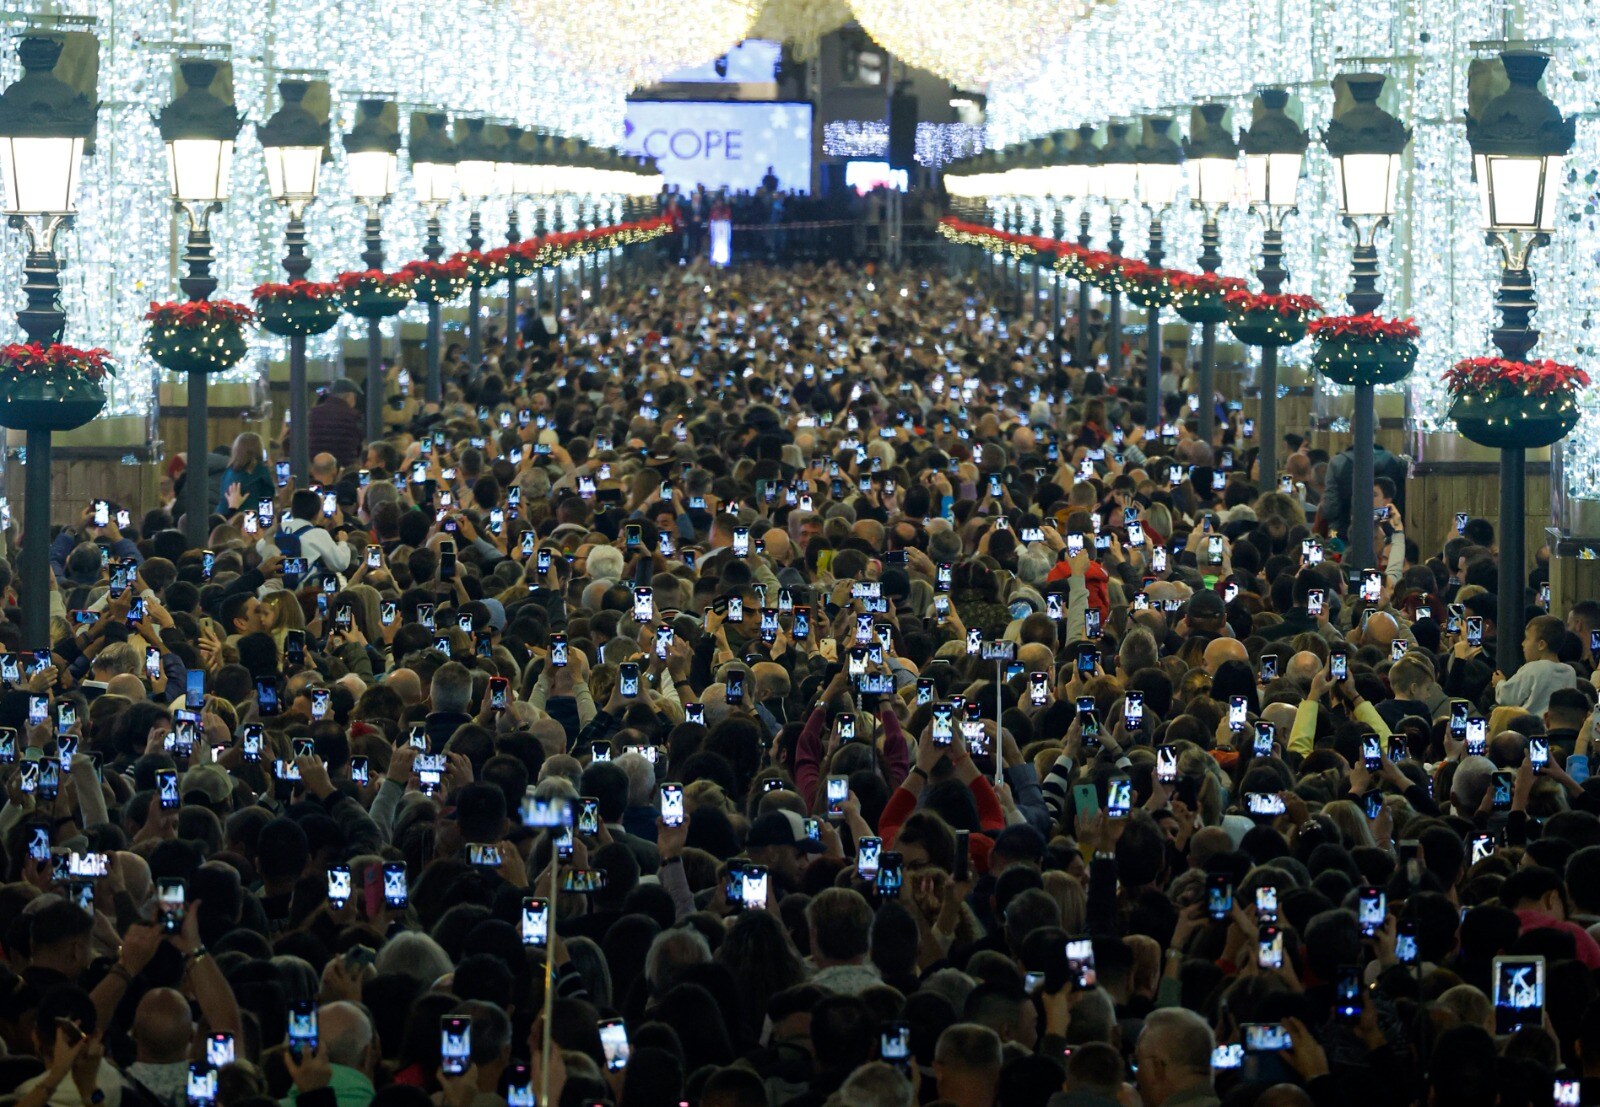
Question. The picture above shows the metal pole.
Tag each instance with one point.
(1272, 276)
(513, 236)
(1511, 613)
(1210, 262)
(433, 250)
(540, 229)
(1114, 312)
(372, 257)
(549, 972)
(36, 542)
(1082, 347)
(1057, 347)
(1364, 297)
(1154, 413)
(297, 265)
(475, 299)
(43, 321)
(198, 284)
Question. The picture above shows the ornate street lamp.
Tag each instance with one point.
(475, 176)
(1518, 142)
(1212, 158)
(1159, 172)
(1274, 147)
(373, 147)
(199, 129)
(433, 174)
(44, 125)
(294, 143)
(1115, 180)
(1367, 144)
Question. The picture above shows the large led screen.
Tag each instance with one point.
(723, 144)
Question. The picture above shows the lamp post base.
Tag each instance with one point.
(1511, 615)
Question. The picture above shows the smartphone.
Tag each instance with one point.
(1474, 630)
(1502, 782)
(1519, 984)
(1264, 805)
(1349, 999)
(499, 693)
(1119, 797)
(455, 1044)
(1372, 907)
(1483, 846)
(1133, 710)
(1265, 738)
(1338, 665)
(167, 788)
(1267, 903)
(338, 885)
(628, 678)
(1268, 671)
(1477, 735)
(1371, 752)
(894, 1043)
(733, 689)
(395, 891)
(838, 792)
(1405, 943)
(483, 855)
(614, 1041)
(535, 922)
(1219, 896)
(1266, 1037)
(1229, 1055)
(644, 605)
(1269, 947)
(171, 897)
(1167, 764)
(672, 804)
(1315, 598)
(890, 875)
(200, 1089)
(220, 1050)
(1238, 712)
(1538, 753)
(755, 887)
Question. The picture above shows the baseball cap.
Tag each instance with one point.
(781, 828)
(1207, 605)
(209, 781)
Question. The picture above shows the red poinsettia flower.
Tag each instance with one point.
(451, 269)
(1290, 304)
(294, 291)
(35, 358)
(1495, 376)
(1366, 326)
(199, 313)
(358, 278)
(1202, 284)
(1135, 271)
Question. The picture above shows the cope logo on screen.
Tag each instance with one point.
(691, 144)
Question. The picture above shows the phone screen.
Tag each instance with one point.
(614, 1041)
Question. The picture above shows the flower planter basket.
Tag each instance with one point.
(57, 400)
(1504, 403)
(371, 300)
(289, 318)
(1352, 360)
(1266, 328)
(438, 290)
(1503, 421)
(205, 345)
(1201, 307)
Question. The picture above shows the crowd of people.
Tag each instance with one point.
(791, 687)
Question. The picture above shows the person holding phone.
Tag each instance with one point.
(306, 531)
(247, 479)
(1542, 671)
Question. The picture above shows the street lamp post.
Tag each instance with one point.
(294, 142)
(1159, 171)
(44, 124)
(433, 175)
(1212, 157)
(373, 150)
(1114, 181)
(475, 176)
(1074, 180)
(1519, 141)
(199, 130)
(1274, 147)
(516, 173)
(1366, 143)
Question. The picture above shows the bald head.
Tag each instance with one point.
(777, 540)
(128, 686)
(772, 680)
(162, 1026)
(1381, 629)
(1303, 666)
(1223, 649)
(407, 685)
(347, 1036)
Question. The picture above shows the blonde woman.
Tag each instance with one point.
(287, 614)
(245, 480)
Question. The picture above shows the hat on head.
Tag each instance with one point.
(1207, 604)
(209, 781)
(497, 613)
(344, 387)
(781, 828)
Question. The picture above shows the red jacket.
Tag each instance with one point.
(991, 818)
(1096, 579)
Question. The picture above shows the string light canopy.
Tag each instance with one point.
(972, 44)
(639, 40)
